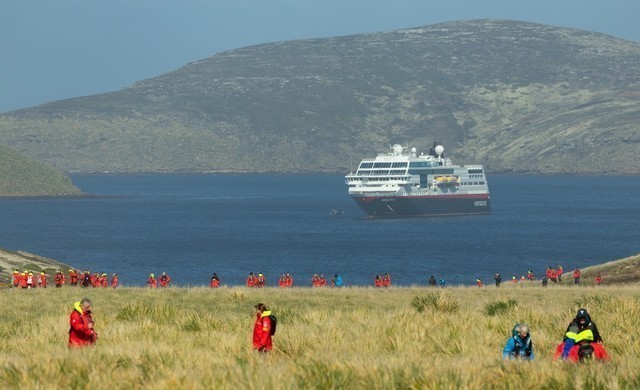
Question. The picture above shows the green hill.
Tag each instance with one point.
(518, 97)
(22, 176)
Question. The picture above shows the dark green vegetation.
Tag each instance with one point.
(22, 176)
(518, 97)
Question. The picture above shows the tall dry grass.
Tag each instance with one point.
(327, 338)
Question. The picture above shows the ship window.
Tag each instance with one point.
(366, 165)
(382, 165)
(399, 165)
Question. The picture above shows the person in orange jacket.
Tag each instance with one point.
(16, 278)
(215, 281)
(289, 280)
(165, 280)
(42, 281)
(559, 272)
(282, 282)
(378, 281)
(262, 341)
(58, 279)
(315, 280)
(81, 332)
(73, 277)
(478, 282)
(251, 280)
(103, 281)
(152, 282)
(114, 280)
(598, 279)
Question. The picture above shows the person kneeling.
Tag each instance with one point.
(519, 346)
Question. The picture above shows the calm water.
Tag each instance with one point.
(193, 225)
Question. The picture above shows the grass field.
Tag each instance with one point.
(327, 338)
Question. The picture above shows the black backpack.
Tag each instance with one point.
(585, 352)
(274, 323)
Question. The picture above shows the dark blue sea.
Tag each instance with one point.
(193, 225)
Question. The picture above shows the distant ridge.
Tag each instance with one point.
(23, 177)
(515, 96)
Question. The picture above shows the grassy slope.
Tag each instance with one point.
(21, 176)
(625, 270)
(11, 260)
(327, 338)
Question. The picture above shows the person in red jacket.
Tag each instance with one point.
(81, 332)
(165, 280)
(152, 282)
(215, 281)
(289, 280)
(576, 276)
(114, 280)
(58, 279)
(262, 329)
(386, 280)
(598, 279)
(251, 280)
(42, 281)
(23, 279)
(73, 277)
(261, 281)
(16, 278)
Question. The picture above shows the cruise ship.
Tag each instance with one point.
(403, 184)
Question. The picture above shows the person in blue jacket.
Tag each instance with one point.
(519, 346)
(337, 280)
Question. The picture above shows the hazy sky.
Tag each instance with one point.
(57, 49)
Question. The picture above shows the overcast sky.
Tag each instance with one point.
(58, 49)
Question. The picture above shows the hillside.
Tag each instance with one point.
(625, 270)
(518, 97)
(22, 176)
(11, 260)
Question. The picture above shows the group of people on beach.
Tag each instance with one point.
(581, 341)
(28, 279)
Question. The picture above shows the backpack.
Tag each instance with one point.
(585, 352)
(274, 323)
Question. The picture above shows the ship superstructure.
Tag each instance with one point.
(404, 184)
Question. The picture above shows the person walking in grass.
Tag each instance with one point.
(152, 282)
(114, 280)
(576, 276)
(519, 346)
(165, 280)
(262, 329)
(81, 332)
